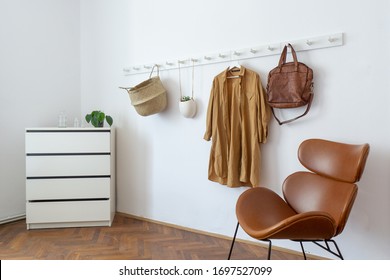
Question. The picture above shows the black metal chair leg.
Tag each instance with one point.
(269, 248)
(234, 239)
(337, 248)
(303, 250)
(335, 251)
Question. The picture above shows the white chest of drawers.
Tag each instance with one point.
(70, 177)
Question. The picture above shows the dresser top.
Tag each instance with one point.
(68, 129)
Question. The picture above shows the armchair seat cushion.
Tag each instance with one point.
(265, 215)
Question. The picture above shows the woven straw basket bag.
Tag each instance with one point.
(148, 97)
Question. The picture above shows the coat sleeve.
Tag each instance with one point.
(209, 116)
(263, 113)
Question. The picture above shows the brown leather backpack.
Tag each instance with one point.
(290, 85)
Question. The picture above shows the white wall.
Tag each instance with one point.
(162, 159)
(39, 77)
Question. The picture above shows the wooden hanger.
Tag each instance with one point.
(232, 69)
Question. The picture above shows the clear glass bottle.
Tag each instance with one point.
(62, 119)
(76, 122)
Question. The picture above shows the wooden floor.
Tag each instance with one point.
(127, 239)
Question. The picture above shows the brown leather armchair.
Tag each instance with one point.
(316, 204)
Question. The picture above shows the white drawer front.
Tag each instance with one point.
(75, 165)
(67, 142)
(72, 188)
(67, 211)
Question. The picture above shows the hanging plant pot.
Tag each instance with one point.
(187, 108)
(187, 104)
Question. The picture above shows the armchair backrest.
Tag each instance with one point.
(330, 186)
(339, 161)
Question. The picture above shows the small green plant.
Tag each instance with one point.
(96, 118)
(185, 98)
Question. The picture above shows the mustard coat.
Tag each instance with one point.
(237, 122)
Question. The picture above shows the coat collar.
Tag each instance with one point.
(228, 72)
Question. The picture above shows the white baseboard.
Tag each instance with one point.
(12, 218)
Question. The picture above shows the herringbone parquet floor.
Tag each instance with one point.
(127, 238)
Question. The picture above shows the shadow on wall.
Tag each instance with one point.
(271, 158)
(368, 203)
(133, 173)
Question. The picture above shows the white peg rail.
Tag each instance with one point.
(326, 41)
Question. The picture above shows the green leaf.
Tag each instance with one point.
(101, 116)
(109, 120)
(95, 122)
(185, 98)
(88, 117)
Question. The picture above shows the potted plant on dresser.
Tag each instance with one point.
(96, 118)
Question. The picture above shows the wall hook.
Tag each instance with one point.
(331, 40)
(270, 48)
(222, 55)
(309, 43)
(207, 57)
(236, 53)
(253, 51)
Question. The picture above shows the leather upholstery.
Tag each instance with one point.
(263, 214)
(316, 204)
(343, 162)
(305, 191)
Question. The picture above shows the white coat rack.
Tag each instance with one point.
(326, 41)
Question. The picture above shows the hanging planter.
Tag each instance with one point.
(187, 104)
(187, 107)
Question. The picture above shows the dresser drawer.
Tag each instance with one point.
(68, 188)
(67, 142)
(67, 165)
(67, 211)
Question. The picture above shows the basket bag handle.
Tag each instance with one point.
(158, 70)
(150, 75)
